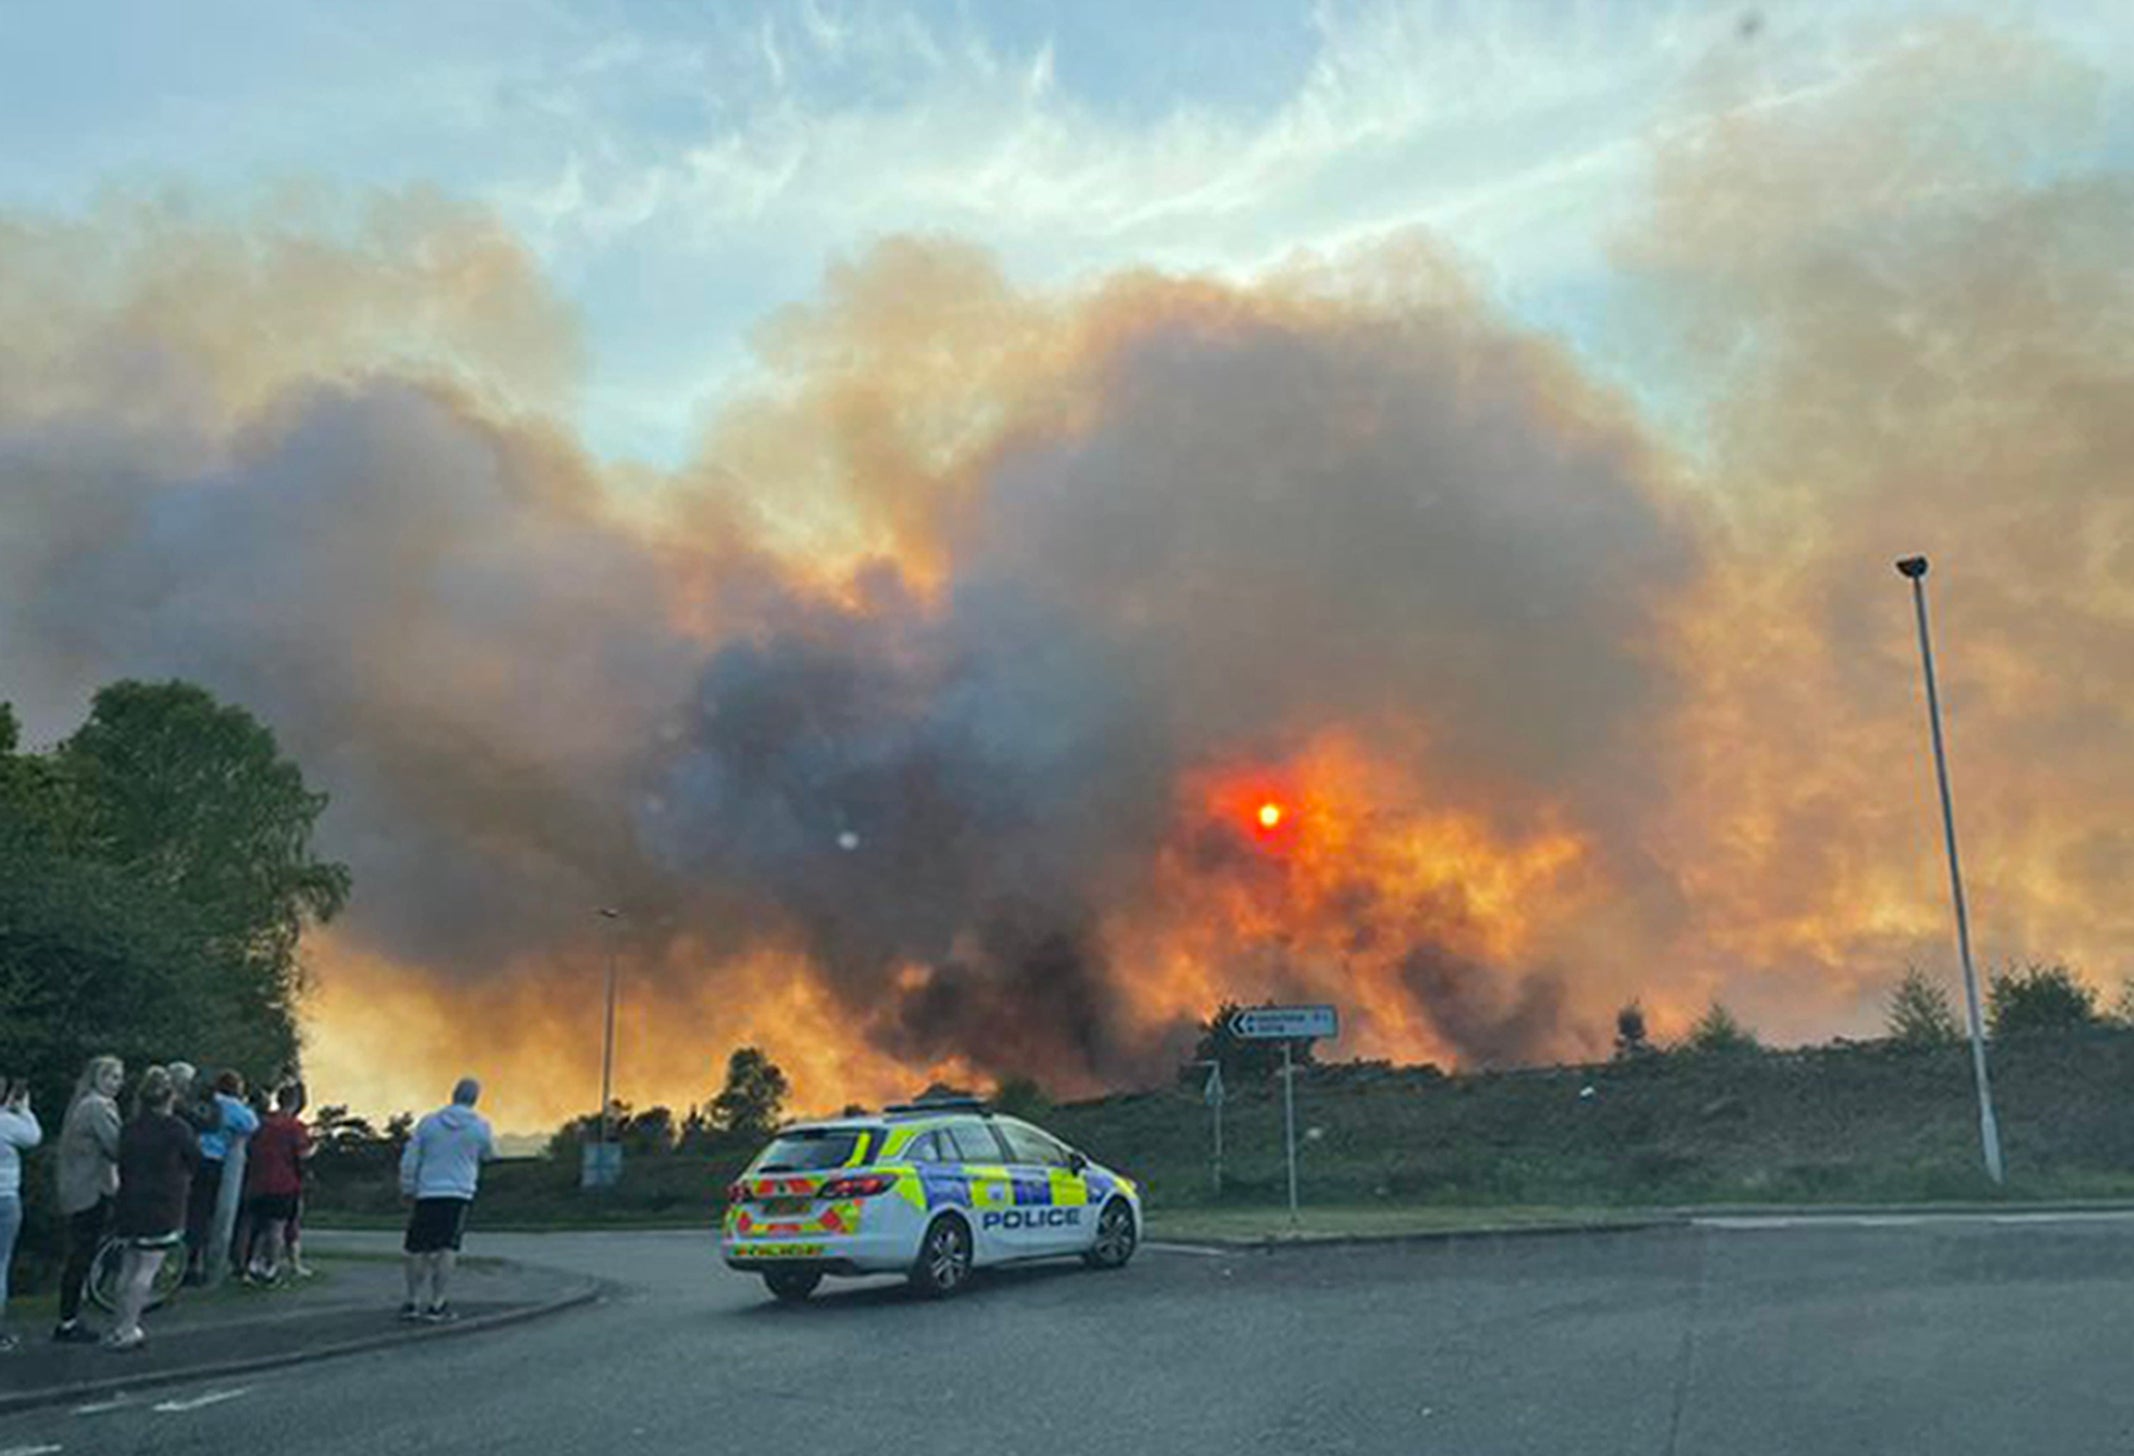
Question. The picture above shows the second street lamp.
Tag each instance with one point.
(1914, 570)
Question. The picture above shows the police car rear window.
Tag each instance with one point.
(807, 1150)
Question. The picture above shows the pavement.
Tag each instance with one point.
(2006, 1332)
(352, 1305)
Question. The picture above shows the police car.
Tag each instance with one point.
(931, 1190)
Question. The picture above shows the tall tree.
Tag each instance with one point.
(754, 1096)
(155, 873)
(191, 798)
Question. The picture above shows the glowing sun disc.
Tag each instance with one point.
(1270, 815)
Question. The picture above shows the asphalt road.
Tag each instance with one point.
(1938, 1336)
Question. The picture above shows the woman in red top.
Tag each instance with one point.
(274, 1177)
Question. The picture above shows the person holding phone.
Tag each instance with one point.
(19, 1133)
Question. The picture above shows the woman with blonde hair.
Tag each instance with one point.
(88, 1182)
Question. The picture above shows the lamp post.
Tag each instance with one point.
(607, 1042)
(1914, 570)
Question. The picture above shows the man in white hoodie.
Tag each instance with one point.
(440, 1170)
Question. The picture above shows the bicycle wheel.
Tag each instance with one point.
(170, 1278)
(110, 1264)
(104, 1276)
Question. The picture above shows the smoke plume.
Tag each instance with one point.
(924, 723)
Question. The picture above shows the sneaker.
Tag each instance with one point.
(440, 1314)
(9, 1343)
(119, 1344)
(73, 1332)
(410, 1315)
(303, 1271)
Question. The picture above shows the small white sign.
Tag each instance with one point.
(600, 1165)
(1286, 1023)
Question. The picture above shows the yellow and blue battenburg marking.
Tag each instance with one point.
(944, 1188)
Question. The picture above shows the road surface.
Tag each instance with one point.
(1883, 1336)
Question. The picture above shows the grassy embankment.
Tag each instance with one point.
(1409, 1148)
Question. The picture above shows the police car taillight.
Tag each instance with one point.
(737, 1192)
(865, 1185)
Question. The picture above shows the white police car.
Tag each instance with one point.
(931, 1190)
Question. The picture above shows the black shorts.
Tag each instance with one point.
(436, 1225)
(151, 1243)
(271, 1207)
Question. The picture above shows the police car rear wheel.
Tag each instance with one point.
(1115, 1238)
(944, 1262)
(792, 1285)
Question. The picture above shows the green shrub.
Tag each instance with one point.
(2039, 998)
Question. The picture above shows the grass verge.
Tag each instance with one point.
(1272, 1225)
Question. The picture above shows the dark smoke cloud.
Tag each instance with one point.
(1487, 1019)
(428, 609)
(1265, 522)
(1260, 514)
(911, 690)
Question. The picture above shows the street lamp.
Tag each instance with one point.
(1914, 570)
(607, 1045)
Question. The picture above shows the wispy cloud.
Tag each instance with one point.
(681, 173)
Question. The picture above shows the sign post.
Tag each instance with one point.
(1212, 1093)
(1214, 1096)
(1288, 1025)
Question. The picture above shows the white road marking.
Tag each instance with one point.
(1759, 1223)
(30, 1450)
(213, 1397)
(104, 1406)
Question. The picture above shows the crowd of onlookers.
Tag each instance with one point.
(201, 1172)
(161, 1183)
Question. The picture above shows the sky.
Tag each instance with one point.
(886, 493)
(681, 170)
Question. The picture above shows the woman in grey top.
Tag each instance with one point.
(88, 1182)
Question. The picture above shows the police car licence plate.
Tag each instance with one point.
(778, 1251)
(787, 1205)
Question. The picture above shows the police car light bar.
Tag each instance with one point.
(939, 1104)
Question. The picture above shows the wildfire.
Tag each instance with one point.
(1359, 887)
(386, 1038)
